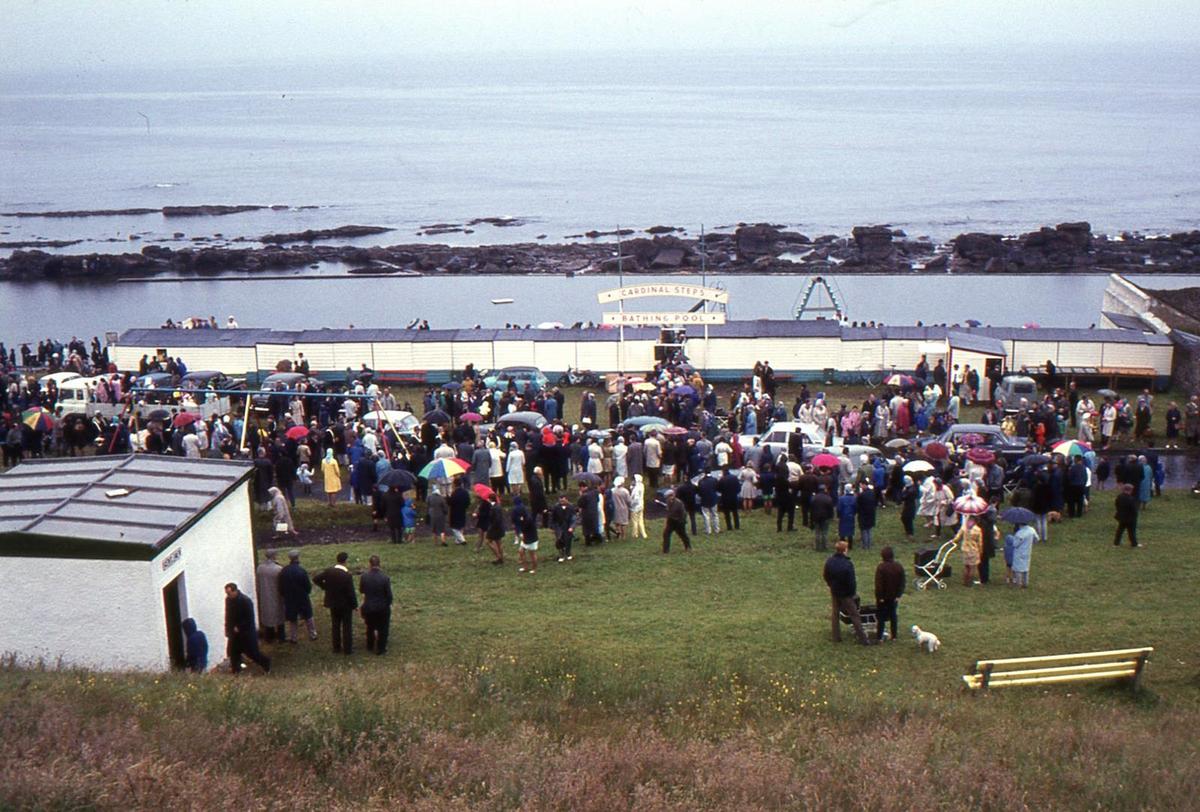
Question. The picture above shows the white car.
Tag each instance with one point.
(775, 441)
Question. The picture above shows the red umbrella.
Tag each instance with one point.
(674, 431)
(297, 433)
(466, 466)
(471, 417)
(483, 491)
(184, 419)
(825, 461)
(981, 455)
(936, 451)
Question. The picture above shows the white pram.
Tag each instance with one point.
(931, 567)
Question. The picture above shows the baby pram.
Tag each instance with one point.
(931, 567)
(869, 615)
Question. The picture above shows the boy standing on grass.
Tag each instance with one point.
(524, 527)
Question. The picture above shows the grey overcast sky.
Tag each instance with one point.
(72, 34)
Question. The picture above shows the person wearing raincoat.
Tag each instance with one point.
(331, 473)
(847, 509)
(1022, 539)
(970, 539)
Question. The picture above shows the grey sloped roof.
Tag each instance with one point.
(61, 508)
(976, 342)
(143, 337)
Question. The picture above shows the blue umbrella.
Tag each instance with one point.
(684, 390)
(1019, 515)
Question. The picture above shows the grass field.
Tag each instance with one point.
(629, 679)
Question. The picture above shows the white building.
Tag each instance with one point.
(102, 558)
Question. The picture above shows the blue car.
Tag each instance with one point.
(518, 377)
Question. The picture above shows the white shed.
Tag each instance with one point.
(103, 557)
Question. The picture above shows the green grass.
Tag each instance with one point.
(629, 679)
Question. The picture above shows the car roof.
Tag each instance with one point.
(519, 369)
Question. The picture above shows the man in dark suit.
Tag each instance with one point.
(341, 600)
(241, 630)
(376, 588)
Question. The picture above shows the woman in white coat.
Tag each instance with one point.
(637, 508)
(515, 465)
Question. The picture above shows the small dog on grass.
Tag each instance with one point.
(926, 640)
(1053, 517)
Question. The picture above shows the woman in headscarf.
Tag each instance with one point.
(637, 508)
(515, 468)
(331, 473)
(908, 505)
(282, 514)
(622, 504)
(1021, 541)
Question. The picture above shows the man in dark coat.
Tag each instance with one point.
(686, 492)
(241, 630)
(843, 586)
(821, 511)
(889, 586)
(295, 587)
(866, 507)
(730, 489)
(341, 601)
(376, 588)
(785, 496)
(675, 523)
(562, 521)
(459, 504)
(1126, 515)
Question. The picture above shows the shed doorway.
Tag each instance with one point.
(173, 610)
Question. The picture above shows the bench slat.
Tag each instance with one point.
(1091, 655)
(1065, 669)
(1126, 673)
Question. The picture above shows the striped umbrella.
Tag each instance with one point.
(1071, 448)
(971, 505)
(38, 419)
(442, 469)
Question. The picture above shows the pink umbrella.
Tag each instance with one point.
(971, 505)
(825, 461)
(471, 417)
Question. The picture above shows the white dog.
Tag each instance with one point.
(926, 640)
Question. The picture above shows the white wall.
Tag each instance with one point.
(109, 615)
(216, 550)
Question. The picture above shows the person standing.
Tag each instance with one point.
(970, 540)
(622, 504)
(1023, 537)
(676, 523)
(637, 508)
(847, 511)
(652, 451)
(709, 496)
(866, 507)
(889, 586)
(241, 632)
(460, 504)
(562, 522)
(341, 601)
(515, 468)
(524, 526)
(843, 586)
(1126, 515)
(438, 512)
(376, 611)
(331, 475)
(730, 488)
(270, 601)
(294, 588)
(820, 512)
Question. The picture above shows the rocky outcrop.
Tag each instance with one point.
(212, 210)
(312, 235)
(758, 248)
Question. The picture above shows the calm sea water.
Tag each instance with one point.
(937, 143)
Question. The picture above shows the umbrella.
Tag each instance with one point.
(1035, 459)
(644, 386)
(550, 325)
(442, 469)
(1019, 515)
(466, 466)
(397, 478)
(899, 442)
(1071, 448)
(184, 419)
(973, 323)
(982, 456)
(600, 434)
(483, 491)
(971, 505)
(674, 431)
(38, 419)
(896, 379)
(1107, 393)
(297, 433)
(471, 417)
(684, 390)
(936, 451)
(158, 414)
(437, 417)
(452, 385)
(825, 461)
(971, 439)
(917, 467)
(587, 477)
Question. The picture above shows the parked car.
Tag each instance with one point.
(284, 382)
(163, 384)
(406, 423)
(994, 439)
(782, 437)
(1012, 388)
(532, 420)
(520, 377)
(210, 379)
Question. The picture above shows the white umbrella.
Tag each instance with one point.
(550, 325)
(917, 467)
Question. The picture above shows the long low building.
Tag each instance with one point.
(799, 350)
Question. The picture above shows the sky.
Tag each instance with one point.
(75, 34)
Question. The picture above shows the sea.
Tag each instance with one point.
(935, 142)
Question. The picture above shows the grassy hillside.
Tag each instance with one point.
(629, 679)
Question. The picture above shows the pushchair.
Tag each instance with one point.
(930, 565)
(869, 615)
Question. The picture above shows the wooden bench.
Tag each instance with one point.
(410, 376)
(1122, 664)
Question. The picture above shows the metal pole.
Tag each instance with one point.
(621, 310)
(704, 283)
